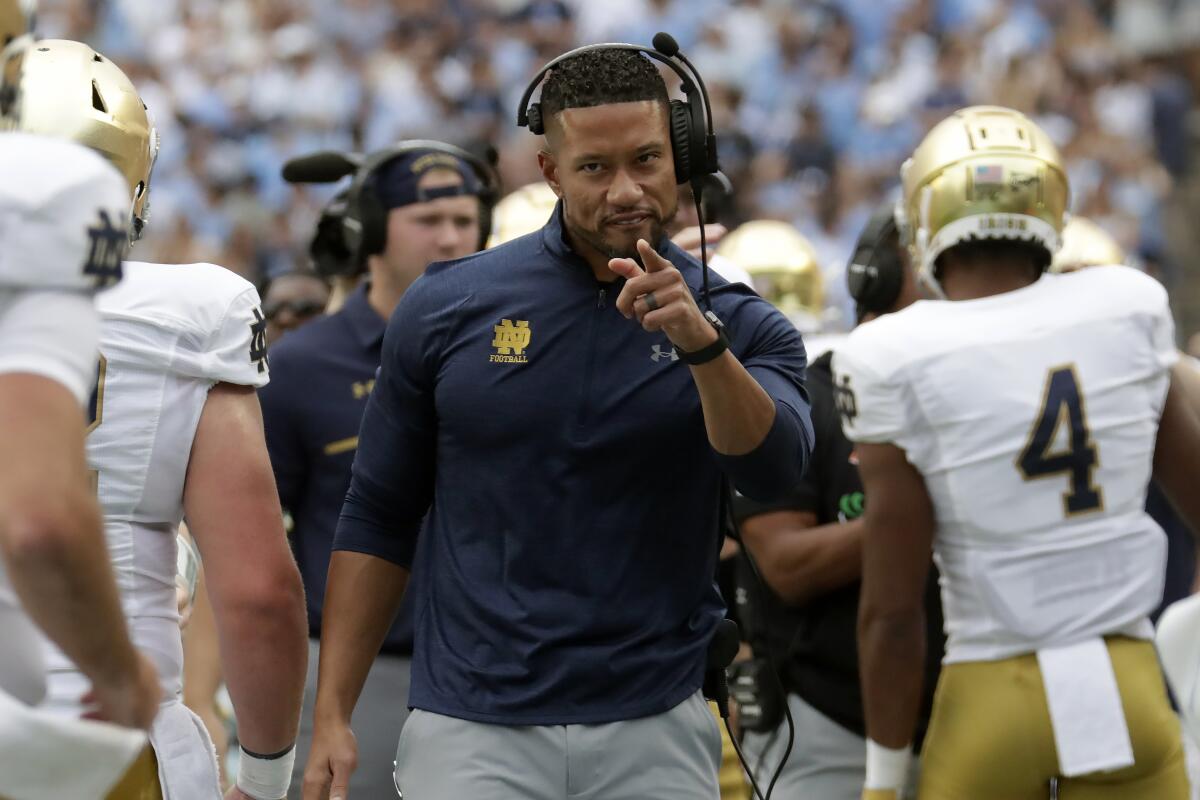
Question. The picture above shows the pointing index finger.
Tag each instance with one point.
(627, 268)
(650, 257)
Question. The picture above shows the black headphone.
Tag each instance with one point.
(364, 222)
(327, 250)
(693, 144)
(876, 272)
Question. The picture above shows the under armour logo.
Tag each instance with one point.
(258, 341)
(106, 245)
(657, 353)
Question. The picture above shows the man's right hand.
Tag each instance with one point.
(331, 760)
(130, 700)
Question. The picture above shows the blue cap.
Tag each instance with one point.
(395, 182)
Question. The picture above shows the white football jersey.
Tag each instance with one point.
(64, 214)
(1032, 416)
(62, 230)
(170, 333)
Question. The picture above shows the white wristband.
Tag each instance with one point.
(266, 778)
(887, 768)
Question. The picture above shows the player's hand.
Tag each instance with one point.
(235, 793)
(660, 300)
(689, 238)
(132, 700)
(331, 760)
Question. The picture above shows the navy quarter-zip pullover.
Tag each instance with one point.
(565, 570)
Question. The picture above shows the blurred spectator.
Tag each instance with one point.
(801, 92)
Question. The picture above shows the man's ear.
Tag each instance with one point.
(548, 164)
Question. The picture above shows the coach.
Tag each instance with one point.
(566, 417)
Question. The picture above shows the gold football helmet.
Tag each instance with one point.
(985, 172)
(521, 211)
(16, 34)
(782, 265)
(71, 91)
(1085, 244)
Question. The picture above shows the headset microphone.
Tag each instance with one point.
(326, 166)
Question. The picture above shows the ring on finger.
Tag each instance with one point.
(651, 301)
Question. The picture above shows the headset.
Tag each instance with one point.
(364, 222)
(875, 275)
(327, 250)
(693, 144)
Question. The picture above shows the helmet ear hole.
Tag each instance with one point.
(98, 100)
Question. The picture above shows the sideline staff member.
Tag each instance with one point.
(809, 549)
(533, 400)
(321, 376)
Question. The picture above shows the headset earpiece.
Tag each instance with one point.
(875, 275)
(534, 115)
(681, 140)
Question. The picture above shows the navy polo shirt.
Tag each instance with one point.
(321, 376)
(566, 569)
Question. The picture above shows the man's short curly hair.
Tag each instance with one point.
(601, 77)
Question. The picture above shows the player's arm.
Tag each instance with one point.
(801, 560)
(897, 540)
(1177, 449)
(53, 545)
(253, 584)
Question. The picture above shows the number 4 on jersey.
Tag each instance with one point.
(1063, 400)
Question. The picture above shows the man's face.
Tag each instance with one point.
(612, 167)
(438, 230)
(291, 301)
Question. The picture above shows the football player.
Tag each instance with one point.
(1015, 429)
(176, 432)
(62, 221)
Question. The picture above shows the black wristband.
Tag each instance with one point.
(708, 352)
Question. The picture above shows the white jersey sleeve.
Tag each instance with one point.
(236, 350)
(194, 320)
(64, 213)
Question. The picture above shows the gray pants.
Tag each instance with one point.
(671, 756)
(827, 761)
(377, 720)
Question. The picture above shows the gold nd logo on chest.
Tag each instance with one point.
(510, 342)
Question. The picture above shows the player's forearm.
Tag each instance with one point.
(805, 563)
(64, 581)
(362, 596)
(891, 652)
(264, 653)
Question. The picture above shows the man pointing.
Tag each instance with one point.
(570, 491)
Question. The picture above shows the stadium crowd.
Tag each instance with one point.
(816, 103)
